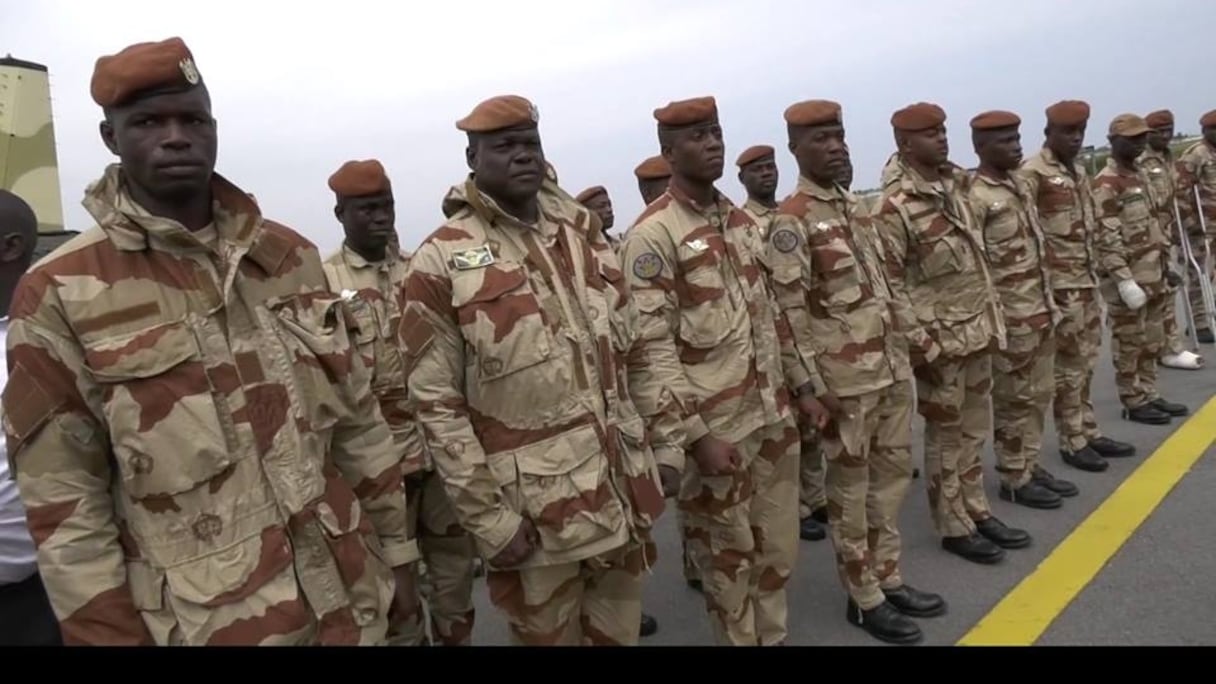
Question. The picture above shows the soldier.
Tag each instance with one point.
(191, 427)
(758, 174)
(1023, 380)
(597, 200)
(541, 415)
(1197, 169)
(653, 175)
(1060, 188)
(1133, 252)
(369, 271)
(948, 310)
(1162, 169)
(694, 263)
(831, 289)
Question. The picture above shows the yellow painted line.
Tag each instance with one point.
(1027, 611)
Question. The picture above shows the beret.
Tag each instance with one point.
(1208, 119)
(986, 121)
(1128, 126)
(590, 192)
(163, 65)
(813, 113)
(1161, 117)
(653, 168)
(497, 113)
(357, 178)
(755, 153)
(697, 110)
(1068, 113)
(918, 117)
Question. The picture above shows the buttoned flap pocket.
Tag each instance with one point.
(837, 270)
(358, 555)
(941, 255)
(159, 403)
(704, 303)
(367, 323)
(1056, 196)
(1135, 206)
(788, 286)
(501, 319)
(316, 330)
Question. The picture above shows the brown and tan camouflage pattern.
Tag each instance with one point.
(1064, 204)
(1197, 168)
(1162, 172)
(698, 275)
(195, 437)
(812, 496)
(761, 215)
(948, 308)
(1023, 372)
(1132, 245)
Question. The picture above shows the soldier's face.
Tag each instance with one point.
(822, 154)
(1128, 148)
(760, 177)
(1066, 141)
(509, 164)
(369, 221)
(697, 153)
(1001, 149)
(652, 188)
(1209, 134)
(601, 204)
(1159, 138)
(930, 147)
(167, 143)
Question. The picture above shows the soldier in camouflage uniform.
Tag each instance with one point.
(758, 175)
(191, 426)
(653, 175)
(949, 311)
(1062, 194)
(541, 413)
(369, 271)
(831, 289)
(1162, 170)
(1197, 168)
(1023, 380)
(1133, 251)
(597, 200)
(695, 266)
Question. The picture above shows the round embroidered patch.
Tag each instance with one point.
(647, 266)
(785, 240)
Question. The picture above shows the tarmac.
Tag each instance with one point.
(1129, 561)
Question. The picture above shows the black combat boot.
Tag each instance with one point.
(884, 623)
(1109, 448)
(810, 529)
(649, 625)
(1001, 535)
(974, 548)
(1168, 407)
(1147, 414)
(820, 515)
(1086, 459)
(914, 602)
(1062, 487)
(1033, 495)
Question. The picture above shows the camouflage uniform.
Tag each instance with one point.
(1131, 245)
(831, 287)
(761, 215)
(195, 438)
(375, 294)
(1197, 168)
(950, 313)
(1023, 372)
(1162, 173)
(536, 402)
(698, 272)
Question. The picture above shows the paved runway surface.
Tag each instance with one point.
(1157, 589)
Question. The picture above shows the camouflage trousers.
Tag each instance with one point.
(742, 529)
(691, 571)
(1078, 341)
(869, 469)
(1023, 383)
(446, 586)
(811, 494)
(594, 602)
(958, 418)
(1137, 338)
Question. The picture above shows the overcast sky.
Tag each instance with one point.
(299, 90)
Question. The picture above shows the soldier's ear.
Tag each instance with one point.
(470, 156)
(12, 247)
(107, 136)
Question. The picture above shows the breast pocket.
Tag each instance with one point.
(704, 302)
(942, 256)
(318, 331)
(501, 320)
(160, 405)
(837, 268)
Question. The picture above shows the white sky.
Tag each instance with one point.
(298, 91)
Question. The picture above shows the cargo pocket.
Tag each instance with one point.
(939, 257)
(501, 320)
(640, 473)
(366, 576)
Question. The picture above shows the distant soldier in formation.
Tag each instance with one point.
(653, 174)
(759, 176)
(1197, 169)
(597, 200)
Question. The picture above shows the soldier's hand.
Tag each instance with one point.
(670, 478)
(715, 457)
(525, 541)
(816, 410)
(929, 374)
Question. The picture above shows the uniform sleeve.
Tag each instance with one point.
(789, 257)
(890, 227)
(649, 265)
(654, 373)
(1111, 252)
(1190, 171)
(60, 455)
(434, 358)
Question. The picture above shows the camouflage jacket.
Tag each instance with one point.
(1131, 243)
(698, 277)
(937, 267)
(1162, 172)
(1197, 169)
(1066, 213)
(831, 286)
(195, 438)
(1016, 252)
(531, 389)
(375, 294)
(761, 215)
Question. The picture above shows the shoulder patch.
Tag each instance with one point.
(785, 240)
(477, 257)
(647, 266)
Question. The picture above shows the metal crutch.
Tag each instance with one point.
(1189, 266)
(1205, 283)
